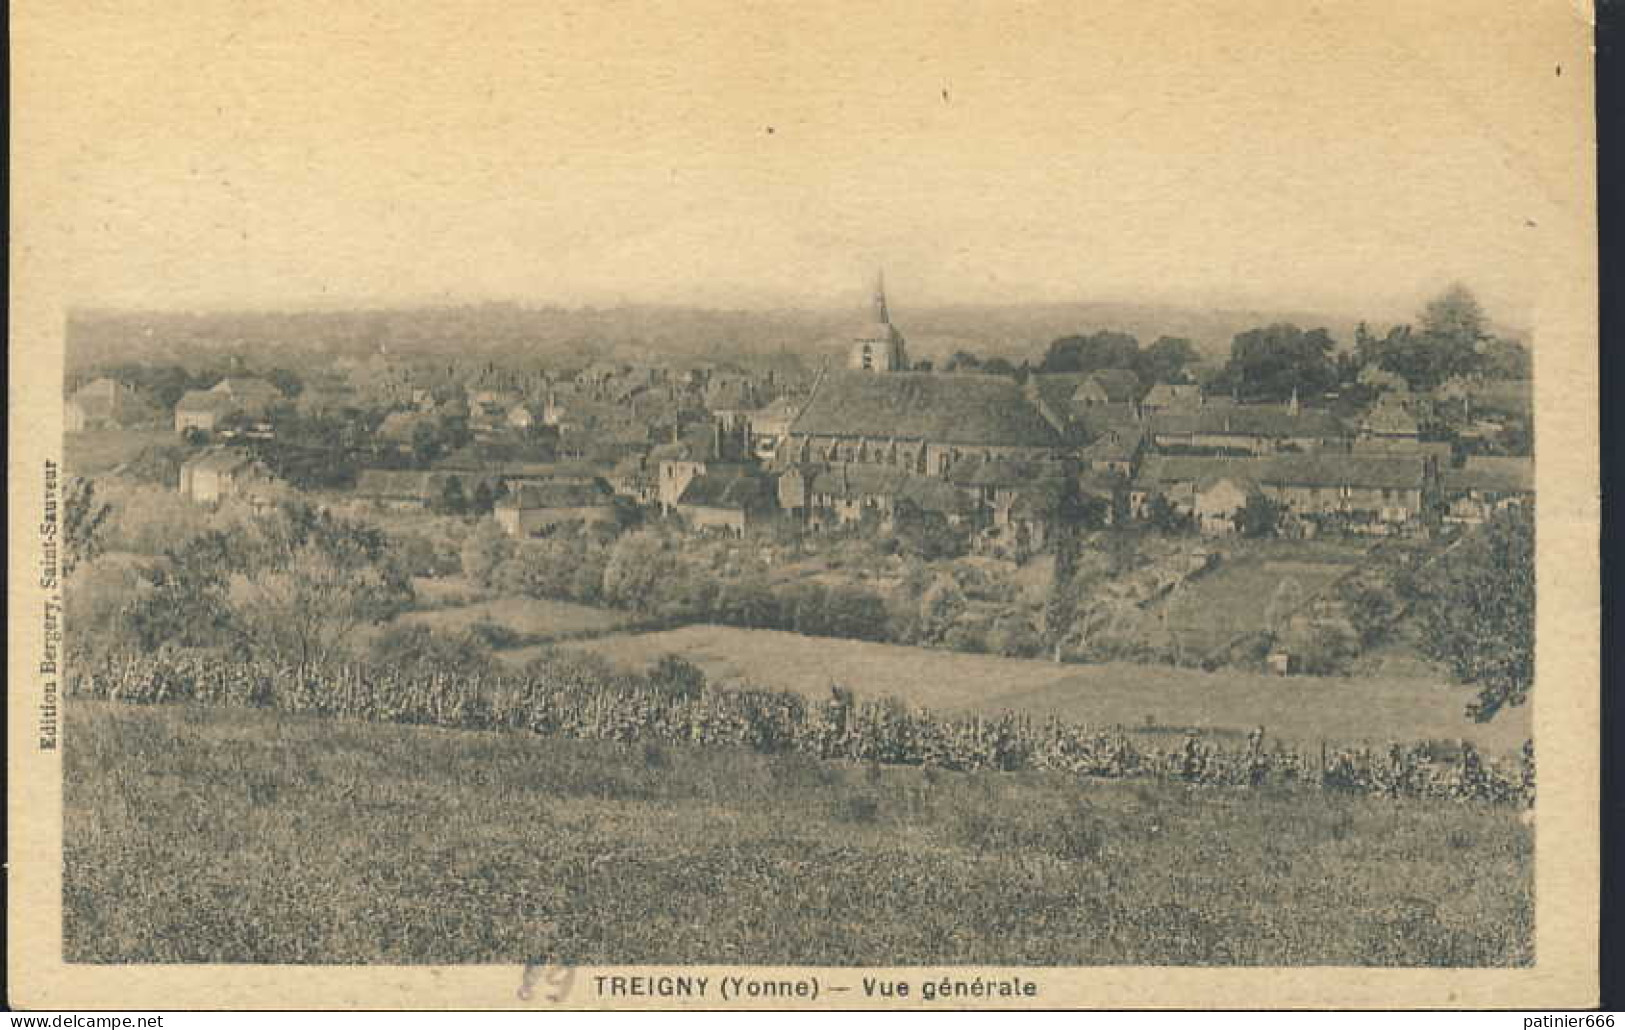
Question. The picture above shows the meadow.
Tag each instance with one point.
(97, 451)
(1302, 709)
(525, 617)
(199, 834)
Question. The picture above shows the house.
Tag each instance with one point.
(253, 396)
(1164, 397)
(634, 478)
(416, 491)
(1107, 386)
(104, 403)
(1210, 489)
(224, 473)
(728, 499)
(847, 494)
(206, 410)
(1485, 485)
(531, 508)
(1377, 490)
(1246, 429)
(529, 415)
(203, 410)
(771, 424)
(1219, 500)
(1117, 449)
(1390, 422)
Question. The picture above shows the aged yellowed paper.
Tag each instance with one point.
(823, 505)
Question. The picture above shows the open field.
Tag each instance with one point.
(195, 834)
(1234, 598)
(1298, 708)
(527, 617)
(101, 450)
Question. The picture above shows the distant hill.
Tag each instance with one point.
(556, 336)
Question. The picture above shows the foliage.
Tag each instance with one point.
(1325, 650)
(1101, 350)
(1476, 610)
(1166, 360)
(574, 696)
(307, 581)
(485, 549)
(1259, 517)
(1373, 608)
(83, 524)
(1273, 362)
(928, 535)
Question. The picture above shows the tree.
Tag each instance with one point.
(452, 500)
(83, 522)
(288, 382)
(1104, 349)
(1455, 315)
(427, 444)
(1165, 360)
(1287, 598)
(1259, 517)
(1505, 359)
(1476, 611)
(1276, 361)
(486, 548)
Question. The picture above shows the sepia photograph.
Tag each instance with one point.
(804, 505)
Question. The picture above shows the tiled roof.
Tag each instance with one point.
(1120, 385)
(226, 460)
(1493, 474)
(205, 400)
(1322, 469)
(532, 496)
(726, 490)
(1249, 420)
(985, 410)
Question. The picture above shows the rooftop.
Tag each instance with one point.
(987, 410)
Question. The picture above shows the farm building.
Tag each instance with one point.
(728, 499)
(415, 491)
(1171, 397)
(202, 410)
(533, 507)
(104, 403)
(1247, 429)
(1486, 484)
(1376, 488)
(217, 475)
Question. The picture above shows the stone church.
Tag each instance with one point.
(876, 434)
(878, 346)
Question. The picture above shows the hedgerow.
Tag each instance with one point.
(563, 698)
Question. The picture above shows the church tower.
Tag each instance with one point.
(878, 346)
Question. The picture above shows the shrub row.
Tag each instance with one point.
(564, 699)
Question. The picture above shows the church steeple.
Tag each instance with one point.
(881, 317)
(878, 346)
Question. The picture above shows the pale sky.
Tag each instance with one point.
(1338, 156)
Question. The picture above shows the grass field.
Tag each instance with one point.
(1234, 599)
(100, 450)
(222, 835)
(1299, 708)
(528, 617)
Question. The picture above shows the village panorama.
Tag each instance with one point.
(660, 635)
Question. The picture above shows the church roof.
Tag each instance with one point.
(942, 408)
